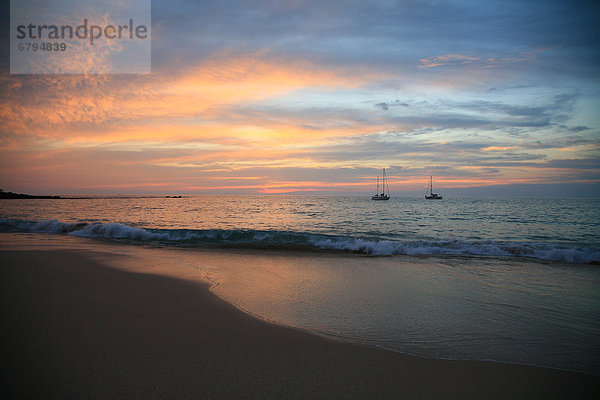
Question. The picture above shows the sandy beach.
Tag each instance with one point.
(78, 327)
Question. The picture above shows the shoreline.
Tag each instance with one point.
(82, 326)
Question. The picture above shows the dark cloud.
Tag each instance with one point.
(383, 106)
(578, 128)
(583, 163)
(388, 34)
(386, 106)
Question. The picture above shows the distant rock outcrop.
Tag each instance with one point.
(11, 195)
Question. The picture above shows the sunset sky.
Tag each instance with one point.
(318, 96)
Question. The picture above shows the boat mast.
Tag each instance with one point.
(388, 187)
(431, 185)
(383, 188)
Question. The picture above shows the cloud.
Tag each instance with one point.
(583, 163)
(95, 106)
(578, 128)
(447, 59)
(504, 59)
(282, 93)
(386, 106)
(383, 106)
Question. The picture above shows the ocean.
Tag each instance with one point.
(508, 280)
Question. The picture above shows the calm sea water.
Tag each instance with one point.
(511, 280)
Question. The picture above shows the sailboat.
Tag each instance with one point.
(382, 195)
(429, 193)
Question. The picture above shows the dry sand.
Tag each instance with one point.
(75, 327)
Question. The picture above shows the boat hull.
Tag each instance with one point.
(380, 197)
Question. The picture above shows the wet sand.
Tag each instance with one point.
(75, 326)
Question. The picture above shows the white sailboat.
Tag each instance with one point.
(383, 195)
(429, 193)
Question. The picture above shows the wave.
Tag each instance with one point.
(301, 240)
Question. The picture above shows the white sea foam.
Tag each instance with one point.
(373, 246)
(542, 251)
(117, 231)
(53, 226)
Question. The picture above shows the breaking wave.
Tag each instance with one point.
(301, 240)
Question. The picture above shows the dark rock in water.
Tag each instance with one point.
(11, 195)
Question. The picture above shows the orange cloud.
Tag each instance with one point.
(203, 92)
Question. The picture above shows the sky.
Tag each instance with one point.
(250, 97)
